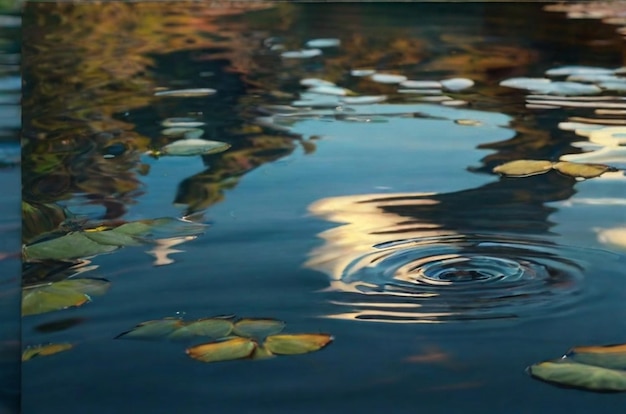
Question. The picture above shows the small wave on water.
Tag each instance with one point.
(389, 268)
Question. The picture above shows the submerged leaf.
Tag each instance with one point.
(194, 146)
(151, 330)
(214, 328)
(296, 343)
(237, 348)
(572, 374)
(70, 246)
(44, 350)
(523, 168)
(581, 170)
(258, 328)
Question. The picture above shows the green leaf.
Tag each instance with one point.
(112, 238)
(61, 295)
(523, 168)
(44, 350)
(261, 352)
(70, 246)
(164, 227)
(581, 170)
(151, 330)
(258, 328)
(296, 343)
(611, 356)
(194, 146)
(237, 348)
(213, 328)
(572, 374)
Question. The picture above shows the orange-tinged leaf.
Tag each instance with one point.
(296, 343)
(606, 349)
(237, 348)
(43, 350)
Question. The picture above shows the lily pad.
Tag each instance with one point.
(44, 350)
(214, 328)
(580, 170)
(523, 168)
(152, 330)
(112, 238)
(164, 227)
(60, 295)
(611, 356)
(258, 328)
(231, 349)
(187, 93)
(296, 343)
(572, 374)
(67, 247)
(193, 146)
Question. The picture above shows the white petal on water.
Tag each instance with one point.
(415, 84)
(454, 102)
(329, 90)
(321, 43)
(387, 78)
(315, 82)
(363, 100)
(457, 84)
(186, 93)
(301, 54)
(579, 70)
(362, 72)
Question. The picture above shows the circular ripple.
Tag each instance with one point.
(452, 278)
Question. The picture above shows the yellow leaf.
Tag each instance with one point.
(296, 343)
(237, 348)
(523, 168)
(43, 350)
(581, 170)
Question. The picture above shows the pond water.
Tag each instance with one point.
(360, 207)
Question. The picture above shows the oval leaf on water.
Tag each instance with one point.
(70, 246)
(213, 328)
(237, 348)
(581, 170)
(258, 328)
(611, 356)
(164, 227)
(194, 146)
(572, 374)
(261, 352)
(296, 343)
(112, 238)
(44, 350)
(151, 330)
(48, 299)
(523, 168)
(89, 286)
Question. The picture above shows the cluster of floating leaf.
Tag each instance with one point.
(49, 297)
(526, 168)
(593, 368)
(233, 339)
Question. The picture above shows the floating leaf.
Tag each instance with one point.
(70, 246)
(187, 93)
(363, 100)
(231, 349)
(301, 54)
(194, 146)
(523, 168)
(44, 350)
(164, 227)
(321, 43)
(151, 330)
(387, 78)
(297, 343)
(611, 356)
(258, 328)
(112, 238)
(261, 352)
(572, 374)
(581, 170)
(214, 328)
(61, 295)
(457, 84)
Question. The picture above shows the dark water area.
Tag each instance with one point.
(365, 207)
